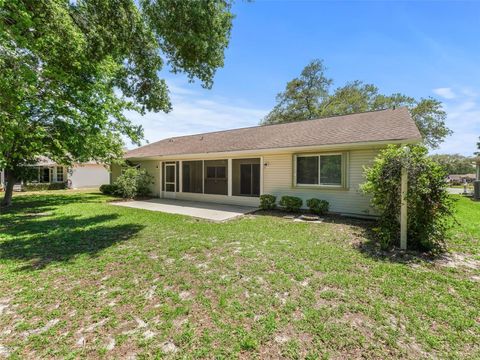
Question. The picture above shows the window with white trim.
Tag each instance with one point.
(60, 174)
(320, 170)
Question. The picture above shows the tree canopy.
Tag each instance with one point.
(455, 164)
(310, 96)
(69, 70)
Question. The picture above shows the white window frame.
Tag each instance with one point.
(174, 182)
(61, 172)
(343, 171)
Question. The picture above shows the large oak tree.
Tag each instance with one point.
(69, 70)
(310, 96)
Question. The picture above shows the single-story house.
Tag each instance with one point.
(321, 158)
(461, 178)
(80, 175)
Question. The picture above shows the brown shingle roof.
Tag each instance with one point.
(382, 125)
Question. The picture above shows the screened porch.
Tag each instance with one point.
(227, 177)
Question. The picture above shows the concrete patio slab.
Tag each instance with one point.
(208, 211)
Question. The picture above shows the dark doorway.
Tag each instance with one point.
(45, 175)
(246, 177)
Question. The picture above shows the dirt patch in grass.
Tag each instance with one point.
(458, 260)
(257, 287)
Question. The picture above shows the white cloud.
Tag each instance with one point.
(463, 117)
(445, 92)
(195, 113)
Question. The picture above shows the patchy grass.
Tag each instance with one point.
(82, 278)
(465, 236)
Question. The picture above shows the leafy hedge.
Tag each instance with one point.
(317, 206)
(41, 187)
(429, 205)
(291, 203)
(108, 189)
(268, 202)
(133, 183)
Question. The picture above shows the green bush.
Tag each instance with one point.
(108, 189)
(429, 205)
(41, 187)
(267, 202)
(291, 203)
(317, 206)
(133, 183)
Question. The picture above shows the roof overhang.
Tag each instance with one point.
(259, 152)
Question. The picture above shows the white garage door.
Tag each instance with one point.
(84, 176)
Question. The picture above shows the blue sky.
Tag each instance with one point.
(420, 49)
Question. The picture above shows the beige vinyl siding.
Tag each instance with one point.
(153, 168)
(88, 175)
(278, 180)
(115, 172)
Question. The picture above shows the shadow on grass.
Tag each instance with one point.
(40, 238)
(370, 247)
(364, 238)
(37, 203)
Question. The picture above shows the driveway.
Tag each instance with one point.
(208, 211)
(456, 190)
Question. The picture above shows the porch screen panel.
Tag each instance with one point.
(192, 176)
(216, 178)
(177, 177)
(163, 176)
(256, 179)
(170, 176)
(246, 177)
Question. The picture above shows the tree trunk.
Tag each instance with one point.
(10, 179)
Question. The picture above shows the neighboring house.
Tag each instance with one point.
(455, 179)
(321, 158)
(80, 175)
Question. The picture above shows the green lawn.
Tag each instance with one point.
(82, 278)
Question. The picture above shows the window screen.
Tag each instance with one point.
(307, 170)
(319, 170)
(246, 177)
(216, 181)
(331, 170)
(192, 177)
